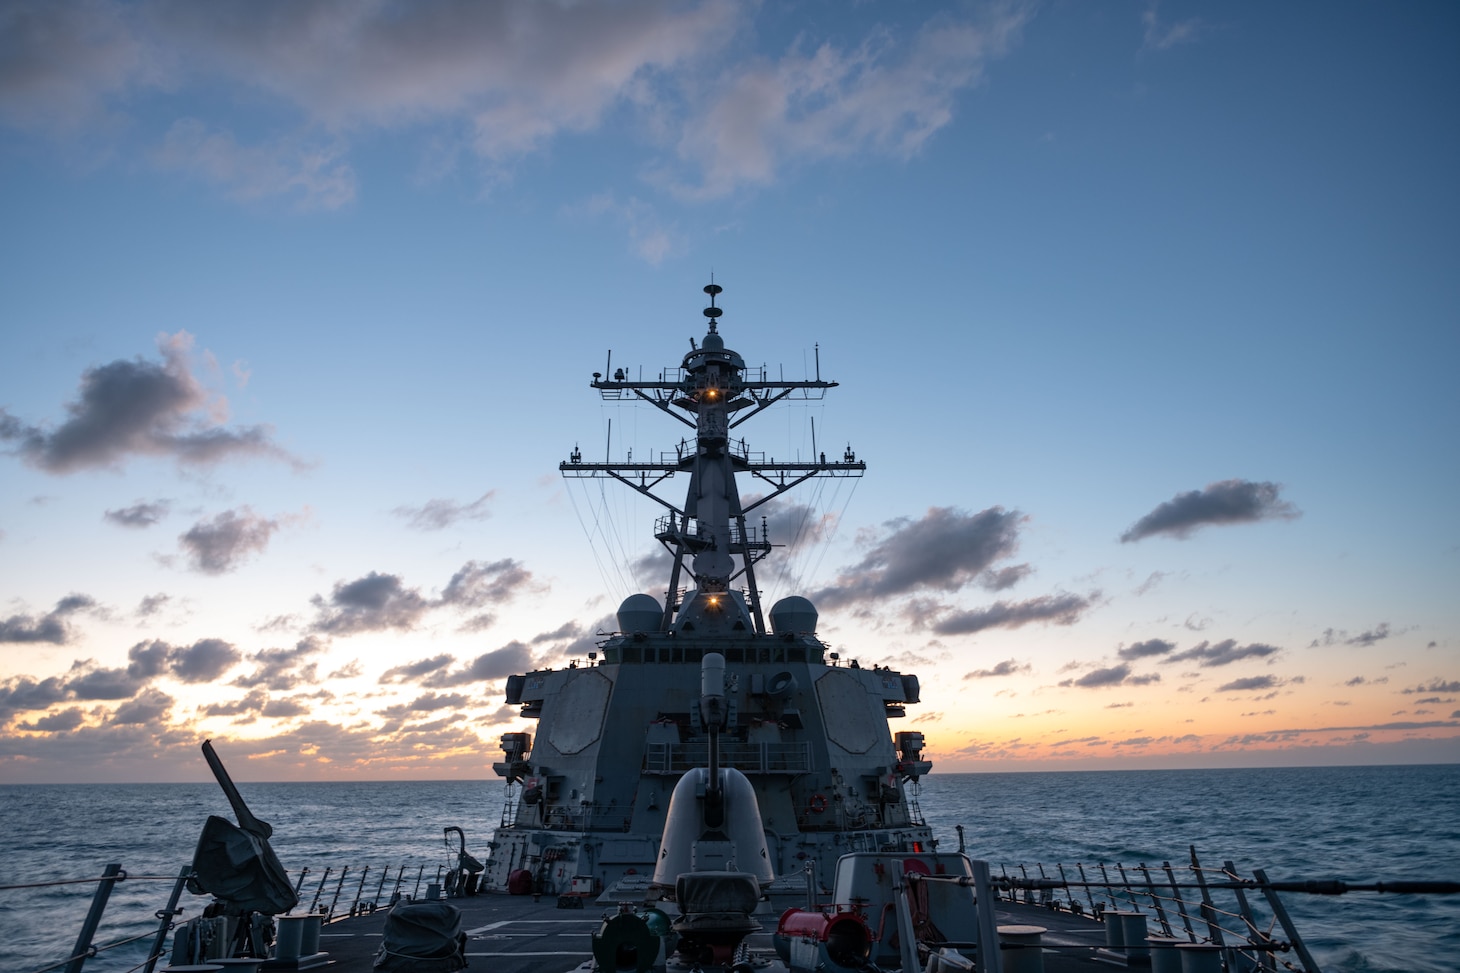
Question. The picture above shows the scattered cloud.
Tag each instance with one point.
(139, 408)
(203, 661)
(715, 107)
(223, 543)
(1226, 502)
(52, 627)
(651, 237)
(1208, 654)
(1142, 650)
(1435, 686)
(1378, 634)
(377, 602)
(1333, 636)
(380, 602)
(1250, 684)
(1160, 36)
(148, 707)
(514, 657)
(1119, 675)
(1049, 609)
(1008, 667)
(441, 513)
(884, 96)
(945, 550)
(140, 515)
(152, 604)
(477, 584)
(413, 671)
(311, 171)
(281, 670)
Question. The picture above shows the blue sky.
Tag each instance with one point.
(299, 303)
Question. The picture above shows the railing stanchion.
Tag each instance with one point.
(109, 878)
(1281, 912)
(164, 919)
(1180, 903)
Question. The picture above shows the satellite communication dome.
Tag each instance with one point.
(793, 614)
(640, 613)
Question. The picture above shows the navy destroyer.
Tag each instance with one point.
(589, 789)
(713, 789)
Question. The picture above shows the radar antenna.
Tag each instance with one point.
(712, 312)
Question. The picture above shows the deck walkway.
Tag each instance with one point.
(514, 934)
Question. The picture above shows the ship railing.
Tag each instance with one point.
(686, 449)
(156, 928)
(669, 528)
(337, 895)
(748, 758)
(349, 891)
(1241, 918)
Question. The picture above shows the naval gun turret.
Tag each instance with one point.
(806, 734)
(713, 859)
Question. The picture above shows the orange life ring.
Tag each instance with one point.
(817, 804)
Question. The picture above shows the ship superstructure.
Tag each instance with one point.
(588, 791)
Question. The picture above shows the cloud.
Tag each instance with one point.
(512, 658)
(1119, 675)
(283, 709)
(651, 237)
(62, 722)
(1378, 634)
(62, 61)
(280, 670)
(149, 707)
(378, 602)
(885, 96)
(1161, 37)
(152, 604)
(945, 550)
(427, 703)
(1142, 650)
(477, 584)
(204, 660)
(51, 627)
(1050, 609)
(1227, 502)
(441, 514)
(412, 671)
(1435, 686)
(1250, 684)
(139, 408)
(715, 107)
(311, 171)
(1008, 667)
(21, 694)
(1333, 636)
(139, 515)
(1223, 653)
(222, 544)
(374, 603)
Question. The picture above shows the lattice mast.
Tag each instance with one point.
(713, 392)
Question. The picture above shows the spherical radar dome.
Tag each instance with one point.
(640, 613)
(793, 614)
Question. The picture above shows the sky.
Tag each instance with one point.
(1145, 316)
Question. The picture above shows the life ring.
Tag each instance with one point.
(817, 804)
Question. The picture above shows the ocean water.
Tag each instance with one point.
(1358, 824)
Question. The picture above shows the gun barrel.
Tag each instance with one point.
(246, 820)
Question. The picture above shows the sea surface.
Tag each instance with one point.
(1358, 824)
